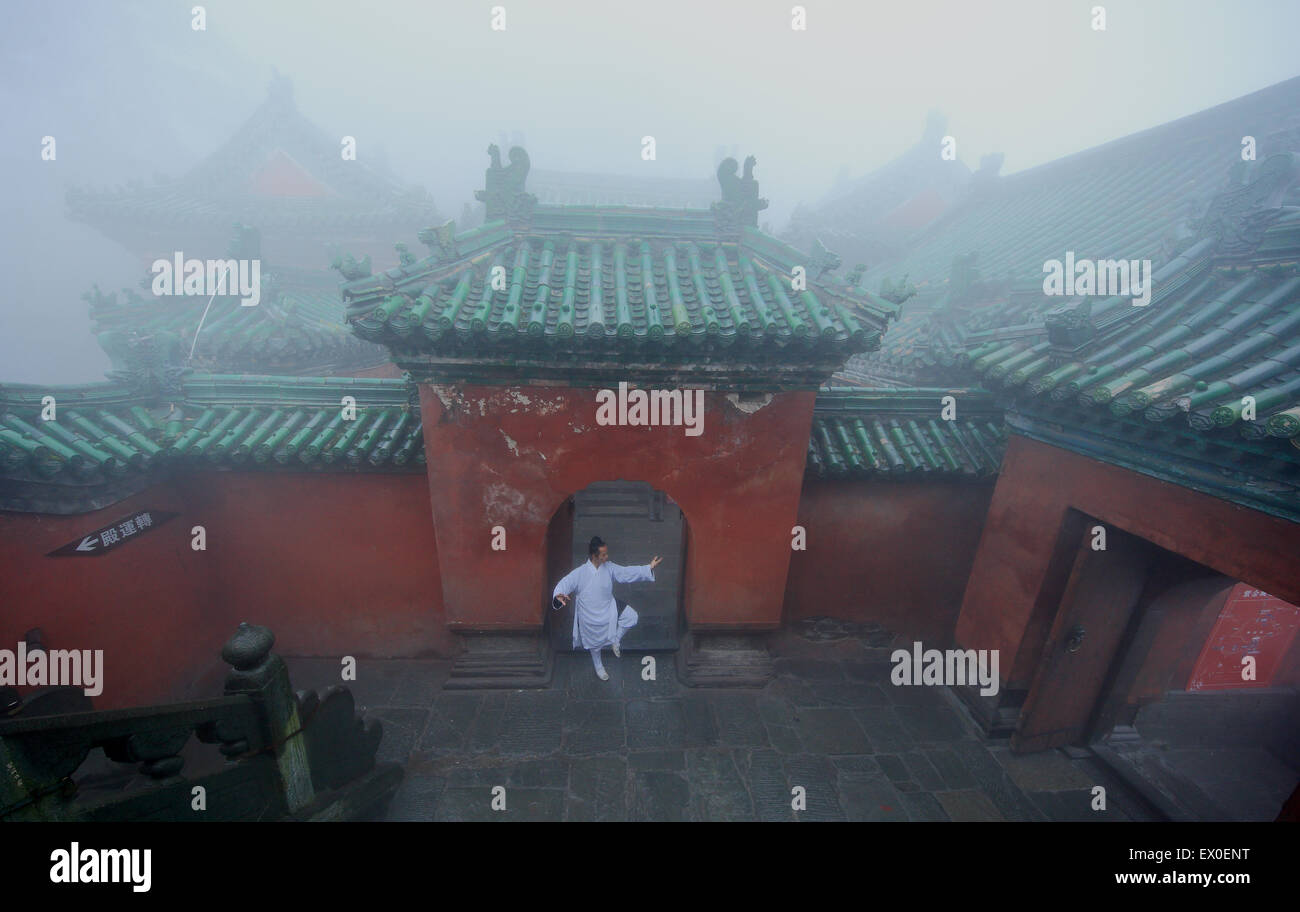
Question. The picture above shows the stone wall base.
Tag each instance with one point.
(502, 661)
(996, 714)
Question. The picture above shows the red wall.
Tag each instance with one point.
(333, 565)
(509, 456)
(1039, 483)
(894, 553)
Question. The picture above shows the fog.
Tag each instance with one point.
(130, 91)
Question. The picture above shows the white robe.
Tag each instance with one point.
(595, 612)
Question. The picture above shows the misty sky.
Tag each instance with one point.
(130, 91)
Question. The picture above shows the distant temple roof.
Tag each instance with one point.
(1135, 197)
(585, 293)
(296, 328)
(1146, 196)
(1161, 388)
(873, 217)
(278, 172)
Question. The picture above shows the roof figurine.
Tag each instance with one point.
(151, 364)
(441, 240)
(246, 243)
(823, 260)
(504, 194)
(740, 202)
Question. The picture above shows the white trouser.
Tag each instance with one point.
(626, 619)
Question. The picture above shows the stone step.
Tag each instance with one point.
(505, 660)
(502, 662)
(727, 660)
(540, 683)
(537, 671)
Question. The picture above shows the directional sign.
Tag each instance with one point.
(114, 535)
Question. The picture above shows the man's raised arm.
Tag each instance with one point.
(637, 574)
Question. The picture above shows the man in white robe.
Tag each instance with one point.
(596, 619)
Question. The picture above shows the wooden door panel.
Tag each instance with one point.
(1103, 590)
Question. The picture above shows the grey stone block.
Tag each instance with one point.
(660, 795)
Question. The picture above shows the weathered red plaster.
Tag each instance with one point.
(892, 553)
(1039, 483)
(334, 565)
(509, 456)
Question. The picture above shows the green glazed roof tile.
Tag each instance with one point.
(864, 433)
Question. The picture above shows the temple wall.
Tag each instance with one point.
(509, 456)
(333, 565)
(1039, 483)
(151, 605)
(356, 565)
(895, 554)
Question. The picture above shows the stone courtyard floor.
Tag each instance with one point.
(630, 749)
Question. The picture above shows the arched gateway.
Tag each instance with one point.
(637, 522)
(556, 347)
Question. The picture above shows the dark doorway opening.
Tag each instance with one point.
(1142, 665)
(637, 522)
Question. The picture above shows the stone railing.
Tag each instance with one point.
(288, 756)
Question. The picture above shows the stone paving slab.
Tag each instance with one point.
(830, 723)
(968, 805)
(718, 791)
(660, 796)
(924, 807)
(873, 800)
(594, 727)
(1047, 771)
(598, 789)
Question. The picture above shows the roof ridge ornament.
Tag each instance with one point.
(822, 259)
(246, 243)
(151, 364)
(504, 195)
(1069, 325)
(897, 293)
(740, 202)
(350, 267)
(1254, 199)
(280, 89)
(440, 240)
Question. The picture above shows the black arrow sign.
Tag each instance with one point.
(114, 535)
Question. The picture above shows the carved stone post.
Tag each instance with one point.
(264, 676)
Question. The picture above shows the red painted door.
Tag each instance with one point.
(1103, 590)
(1252, 623)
